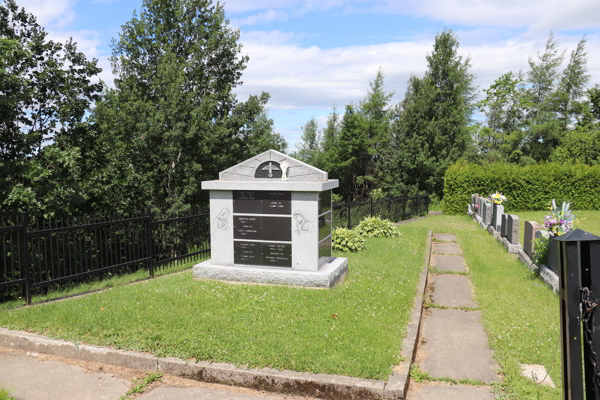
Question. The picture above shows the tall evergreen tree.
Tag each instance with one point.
(331, 131)
(431, 125)
(542, 77)
(309, 148)
(353, 153)
(572, 85)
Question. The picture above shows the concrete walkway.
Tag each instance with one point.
(36, 376)
(453, 343)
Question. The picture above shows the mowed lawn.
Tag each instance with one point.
(520, 314)
(355, 329)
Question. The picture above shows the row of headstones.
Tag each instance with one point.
(506, 225)
(487, 215)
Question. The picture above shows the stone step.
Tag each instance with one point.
(452, 291)
(455, 346)
(446, 248)
(441, 391)
(448, 263)
(444, 237)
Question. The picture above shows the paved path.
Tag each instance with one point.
(34, 376)
(453, 343)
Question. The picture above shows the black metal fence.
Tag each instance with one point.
(348, 215)
(41, 254)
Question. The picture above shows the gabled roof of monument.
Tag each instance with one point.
(272, 159)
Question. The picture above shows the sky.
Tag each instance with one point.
(313, 54)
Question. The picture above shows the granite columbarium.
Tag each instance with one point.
(271, 221)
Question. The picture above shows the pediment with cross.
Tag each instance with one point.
(273, 165)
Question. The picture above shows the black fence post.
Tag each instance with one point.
(149, 242)
(389, 206)
(371, 206)
(578, 252)
(25, 267)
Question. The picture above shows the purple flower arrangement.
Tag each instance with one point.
(560, 221)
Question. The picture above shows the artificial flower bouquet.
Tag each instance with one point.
(560, 220)
(496, 198)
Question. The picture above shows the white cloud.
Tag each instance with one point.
(263, 17)
(315, 78)
(535, 15)
(56, 12)
(269, 37)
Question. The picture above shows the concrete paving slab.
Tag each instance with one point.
(450, 392)
(537, 373)
(448, 263)
(452, 291)
(446, 248)
(28, 378)
(171, 393)
(444, 237)
(456, 346)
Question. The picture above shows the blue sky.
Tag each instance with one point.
(311, 54)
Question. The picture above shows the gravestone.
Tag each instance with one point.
(470, 210)
(552, 252)
(487, 214)
(482, 208)
(503, 225)
(531, 227)
(473, 200)
(480, 211)
(271, 219)
(512, 229)
(498, 210)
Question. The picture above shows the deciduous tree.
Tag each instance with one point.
(174, 116)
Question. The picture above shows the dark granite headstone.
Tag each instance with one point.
(552, 252)
(503, 225)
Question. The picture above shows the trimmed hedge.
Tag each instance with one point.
(528, 188)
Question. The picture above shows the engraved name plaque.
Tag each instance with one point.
(247, 227)
(260, 253)
(262, 202)
(247, 253)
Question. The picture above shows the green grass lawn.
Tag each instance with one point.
(100, 284)
(520, 314)
(355, 329)
(5, 394)
(587, 220)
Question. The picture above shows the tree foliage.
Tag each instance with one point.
(527, 119)
(172, 119)
(430, 129)
(47, 90)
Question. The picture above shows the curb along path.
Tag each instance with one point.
(453, 344)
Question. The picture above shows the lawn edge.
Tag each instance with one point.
(325, 386)
(398, 382)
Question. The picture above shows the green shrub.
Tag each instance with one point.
(346, 240)
(375, 226)
(528, 188)
(541, 250)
